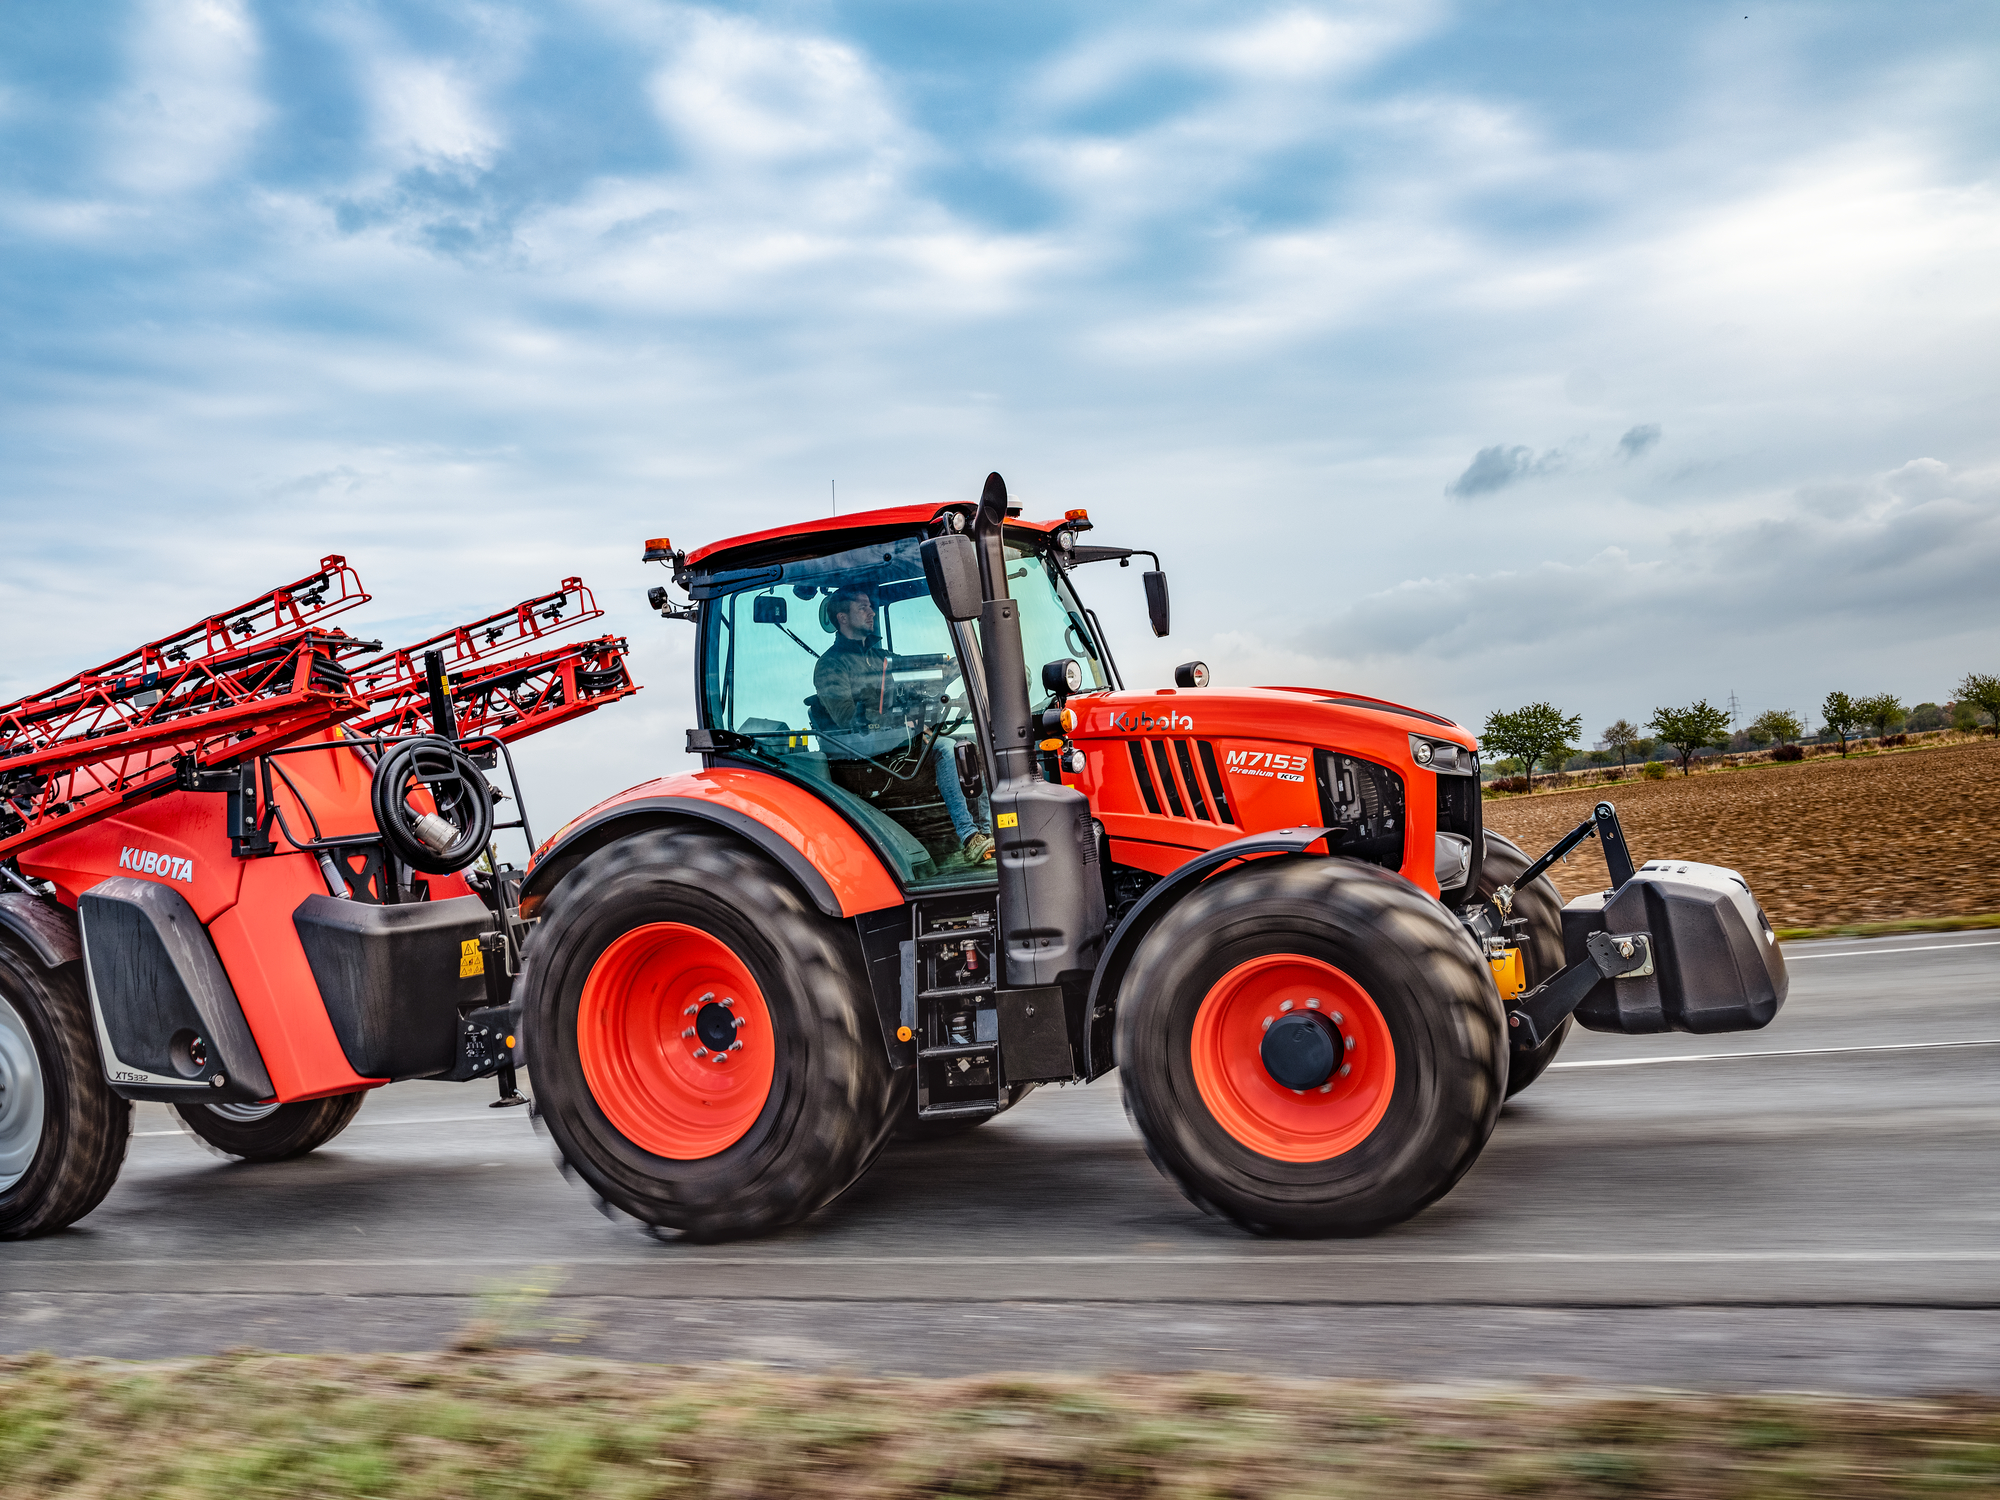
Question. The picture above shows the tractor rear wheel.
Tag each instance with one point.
(704, 1045)
(270, 1132)
(1311, 1047)
(62, 1130)
(1541, 943)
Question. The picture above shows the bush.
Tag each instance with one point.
(1893, 739)
(1788, 752)
(1507, 784)
(1654, 770)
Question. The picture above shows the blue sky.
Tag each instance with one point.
(1467, 354)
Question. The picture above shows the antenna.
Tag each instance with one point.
(834, 490)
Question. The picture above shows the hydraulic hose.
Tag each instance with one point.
(444, 841)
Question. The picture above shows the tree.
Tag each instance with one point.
(1623, 737)
(1539, 731)
(1926, 716)
(1689, 729)
(1883, 710)
(1779, 724)
(1983, 689)
(1843, 717)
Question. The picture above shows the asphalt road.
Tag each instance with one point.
(1812, 1206)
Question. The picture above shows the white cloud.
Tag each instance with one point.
(428, 113)
(191, 104)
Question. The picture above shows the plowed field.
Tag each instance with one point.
(1868, 839)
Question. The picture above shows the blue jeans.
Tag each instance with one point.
(952, 793)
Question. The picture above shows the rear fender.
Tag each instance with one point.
(46, 930)
(831, 862)
(1146, 914)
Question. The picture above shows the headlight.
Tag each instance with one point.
(1443, 757)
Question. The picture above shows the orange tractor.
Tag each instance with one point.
(914, 881)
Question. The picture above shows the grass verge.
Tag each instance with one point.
(1976, 923)
(429, 1427)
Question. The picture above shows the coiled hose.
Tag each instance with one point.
(444, 841)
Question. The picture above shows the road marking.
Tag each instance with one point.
(139, 1135)
(1650, 1062)
(1496, 1258)
(1799, 958)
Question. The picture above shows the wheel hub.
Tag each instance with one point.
(20, 1098)
(715, 1025)
(1302, 1049)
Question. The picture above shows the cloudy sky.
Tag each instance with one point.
(1468, 354)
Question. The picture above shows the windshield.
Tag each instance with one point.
(841, 670)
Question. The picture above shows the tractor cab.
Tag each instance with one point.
(825, 659)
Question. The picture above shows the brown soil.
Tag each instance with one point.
(1912, 833)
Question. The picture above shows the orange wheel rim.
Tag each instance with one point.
(675, 1040)
(1258, 1111)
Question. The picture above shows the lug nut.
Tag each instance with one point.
(1286, 1005)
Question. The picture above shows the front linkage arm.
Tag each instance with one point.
(1608, 955)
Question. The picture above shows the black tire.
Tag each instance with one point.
(1541, 943)
(1431, 989)
(831, 1099)
(67, 1130)
(271, 1132)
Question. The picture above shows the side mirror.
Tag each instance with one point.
(768, 609)
(1156, 601)
(951, 568)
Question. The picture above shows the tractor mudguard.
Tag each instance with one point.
(168, 1021)
(47, 931)
(819, 849)
(1716, 965)
(1155, 904)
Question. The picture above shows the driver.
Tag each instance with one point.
(858, 692)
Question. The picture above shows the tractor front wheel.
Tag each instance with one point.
(704, 1046)
(1311, 1047)
(62, 1130)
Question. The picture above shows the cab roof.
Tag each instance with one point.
(893, 518)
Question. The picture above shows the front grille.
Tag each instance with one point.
(1186, 794)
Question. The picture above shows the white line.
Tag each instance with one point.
(669, 1260)
(138, 1135)
(1651, 1062)
(1798, 958)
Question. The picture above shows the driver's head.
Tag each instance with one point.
(853, 613)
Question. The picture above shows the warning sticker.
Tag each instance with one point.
(471, 962)
(1007, 820)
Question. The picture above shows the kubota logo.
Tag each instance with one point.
(1127, 721)
(151, 862)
